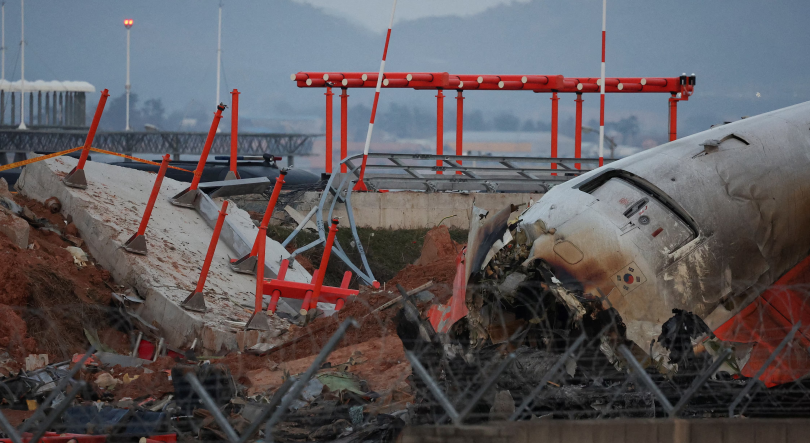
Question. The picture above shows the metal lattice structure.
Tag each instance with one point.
(154, 142)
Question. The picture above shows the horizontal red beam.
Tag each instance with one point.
(297, 290)
(535, 83)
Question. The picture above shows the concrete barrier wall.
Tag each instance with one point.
(733, 430)
(415, 210)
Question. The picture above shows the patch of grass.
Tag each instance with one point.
(387, 251)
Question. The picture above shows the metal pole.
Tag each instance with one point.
(128, 84)
(578, 134)
(554, 126)
(209, 141)
(327, 252)
(233, 173)
(459, 126)
(3, 42)
(602, 90)
(22, 66)
(39, 108)
(439, 128)
(328, 94)
(268, 213)
(147, 213)
(219, 48)
(673, 118)
(360, 186)
(344, 125)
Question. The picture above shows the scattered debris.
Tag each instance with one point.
(54, 205)
(34, 362)
(79, 256)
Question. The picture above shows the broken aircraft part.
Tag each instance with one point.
(708, 224)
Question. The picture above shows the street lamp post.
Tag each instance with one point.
(219, 48)
(128, 24)
(3, 41)
(22, 66)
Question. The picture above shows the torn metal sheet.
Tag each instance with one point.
(229, 188)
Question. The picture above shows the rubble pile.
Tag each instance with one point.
(56, 301)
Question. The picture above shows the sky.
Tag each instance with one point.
(376, 14)
(747, 54)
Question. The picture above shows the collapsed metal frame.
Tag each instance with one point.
(506, 175)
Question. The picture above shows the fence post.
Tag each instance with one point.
(233, 174)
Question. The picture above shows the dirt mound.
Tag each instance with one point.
(437, 246)
(437, 263)
(46, 300)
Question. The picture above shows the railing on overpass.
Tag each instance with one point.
(155, 142)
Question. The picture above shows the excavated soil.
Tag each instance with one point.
(47, 300)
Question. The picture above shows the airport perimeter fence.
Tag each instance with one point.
(523, 356)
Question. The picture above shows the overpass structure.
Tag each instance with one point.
(153, 142)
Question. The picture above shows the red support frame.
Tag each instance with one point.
(439, 129)
(555, 101)
(578, 133)
(314, 292)
(459, 126)
(233, 174)
(344, 128)
(673, 118)
(680, 88)
(329, 95)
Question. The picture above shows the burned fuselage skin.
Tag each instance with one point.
(703, 224)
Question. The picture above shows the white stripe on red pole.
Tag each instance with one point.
(360, 186)
(602, 90)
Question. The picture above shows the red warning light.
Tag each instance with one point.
(128, 23)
